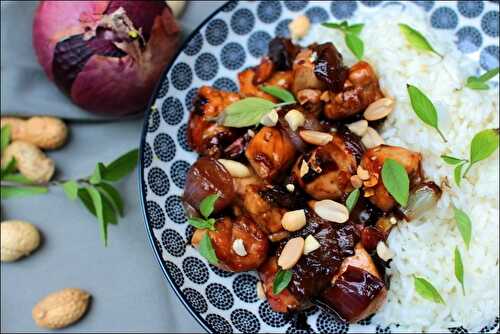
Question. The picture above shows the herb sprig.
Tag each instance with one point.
(426, 290)
(249, 111)
(459, 269)
(424, 108)
(351, 36)
(95, 192)
(281, 281)
(352, 199)
(396, 181)
(464, 225)
(483, 145)
(416, 39)
(206, 209)
(480, 82)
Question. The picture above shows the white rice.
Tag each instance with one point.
(425, 247)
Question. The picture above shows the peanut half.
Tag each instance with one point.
(235, 168)
(299, 27)
(291, 253)
(295, 119)
(293, 220)
(18, 239)
(61, 309)
(315, 137)
(310, 244)
(45, 132)
(359, 127)
(371, 138)
(379, 109)
(30, 161)
(331, 211)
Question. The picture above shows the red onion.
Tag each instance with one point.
(106, 55)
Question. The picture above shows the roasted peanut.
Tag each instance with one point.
(30, 161)
(45, 132)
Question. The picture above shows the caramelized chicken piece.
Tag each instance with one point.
(205, 136)
(263, 71)
(284, 301)
(269, 152)
(373, 160)
(267, 216)
(361, 259)
(303, 72)
(330, 168)
(360, 90)
(251, 78)
(228, 230)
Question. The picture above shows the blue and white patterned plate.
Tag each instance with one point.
(232, 38)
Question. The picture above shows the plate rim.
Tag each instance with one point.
(140, 170)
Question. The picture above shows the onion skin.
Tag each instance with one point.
(117, 78)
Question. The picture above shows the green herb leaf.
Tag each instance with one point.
(483, 145)
(9, 169)
(207, 250)
(113, 195)
(459, 269)
(281, 281)
(474, 83)
(71, 189)
(96, 177)
(489, 74)
(355, 44)
(109, 211)
(355, 28)
(352, 199)
(202, 223)
(396, 181)
(334, 25)
(207, 205)
(10, 192)
(246, 112)
(451, 160)
(96, 198)
(5, 137)
(120, 167)
(416, 39)
(278, 92)
(17, 178)
(464, 225)
(84, 197)
(424, 108)
(457, 174)
(425, 289)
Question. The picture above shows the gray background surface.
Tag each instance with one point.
(128, 288)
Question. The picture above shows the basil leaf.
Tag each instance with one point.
(278, 92)
(9, 192)
(9, 169)
(5, 137)
(396, 181)
(459, 269)
(355, 44)
(464, 225)
(202, 223)
(281, 281)
(483, 145)
(71, 189)
(416, 39)
(457, 174)
(489, 74)
(18, 178)
(424, 108)
(207, 250)
(425, 289)
(109, 211)
(96, 177)
(96, 198)
(451, 160)
(120, 167)
(84, 197)
(474, 83)
(352, 199)
(113, 195)
(246, 112)
(207, 205)
(355, 28)
(334, 25)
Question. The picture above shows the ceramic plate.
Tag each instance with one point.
(232, 38)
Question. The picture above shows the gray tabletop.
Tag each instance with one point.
(128, 288)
